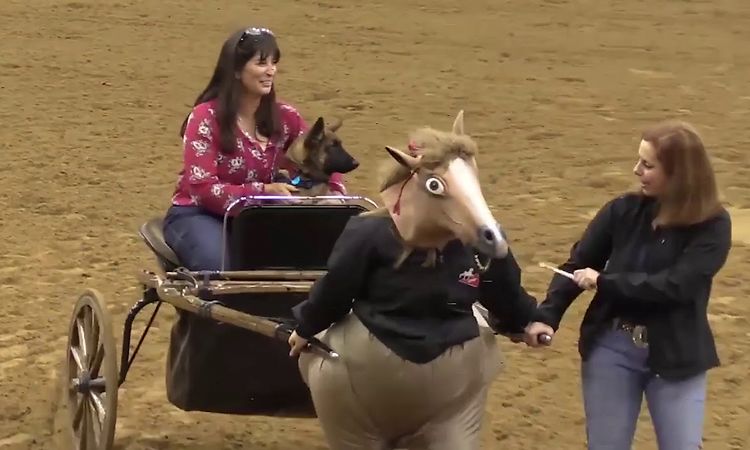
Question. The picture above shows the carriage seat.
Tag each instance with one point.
(153, 234)
(286, 228)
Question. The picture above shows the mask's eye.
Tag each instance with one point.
(435, 186)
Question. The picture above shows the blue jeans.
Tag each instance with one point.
(195, 235)
(615, 379)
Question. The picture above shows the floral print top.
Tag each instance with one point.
(214, 180)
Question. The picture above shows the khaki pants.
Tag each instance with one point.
(371, 399)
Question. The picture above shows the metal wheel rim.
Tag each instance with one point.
(92, 378)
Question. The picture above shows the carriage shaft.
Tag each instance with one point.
(218, 312)
(218, 287)
(257, 287)
(292, 275)
(183, 294)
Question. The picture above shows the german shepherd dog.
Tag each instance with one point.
(317, 155)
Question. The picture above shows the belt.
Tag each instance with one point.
(637, 332)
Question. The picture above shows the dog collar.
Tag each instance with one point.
(304, 184)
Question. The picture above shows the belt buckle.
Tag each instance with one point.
(639, 336)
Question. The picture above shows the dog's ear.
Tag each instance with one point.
(335, 125)
(316, 133)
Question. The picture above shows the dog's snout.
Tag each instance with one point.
(340, 161)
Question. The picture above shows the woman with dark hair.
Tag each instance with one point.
(234, 142)
(651, 256)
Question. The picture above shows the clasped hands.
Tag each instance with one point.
(585, 279)
(297, 344)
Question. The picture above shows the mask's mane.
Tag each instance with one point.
(437, 149)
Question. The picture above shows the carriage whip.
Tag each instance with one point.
(556, 270)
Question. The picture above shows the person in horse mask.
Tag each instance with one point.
(414, 367)
(651, 256)
(234, 141)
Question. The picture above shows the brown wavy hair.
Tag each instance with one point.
(692, 195)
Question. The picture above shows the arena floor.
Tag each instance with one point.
(92, 94)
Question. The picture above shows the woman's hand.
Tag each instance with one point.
(534, 330)
(586, 278)
(297, 344)
(280, 189)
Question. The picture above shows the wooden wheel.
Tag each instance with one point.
(91, 371)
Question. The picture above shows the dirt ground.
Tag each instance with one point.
(92, 94)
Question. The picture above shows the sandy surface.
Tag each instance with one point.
(92, 94)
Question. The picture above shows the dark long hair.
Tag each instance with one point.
(226, 87)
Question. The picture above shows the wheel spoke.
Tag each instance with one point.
(98, 404)
(79, 407)
(78, 358)
(96, 419)
(96, 362)
(80, 328)
(83, 432)
(87, 319)
(92, 338)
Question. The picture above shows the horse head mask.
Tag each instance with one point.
(433, 193)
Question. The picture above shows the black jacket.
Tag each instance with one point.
(660, 278)
(416, 311)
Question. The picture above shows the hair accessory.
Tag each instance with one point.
(253, 31)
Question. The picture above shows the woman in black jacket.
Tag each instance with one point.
(397, 302)
(651, 256)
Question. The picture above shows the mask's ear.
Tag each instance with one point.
(458, 124)
(315, 135)
(402, 158)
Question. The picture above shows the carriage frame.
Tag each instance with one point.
(91, 362)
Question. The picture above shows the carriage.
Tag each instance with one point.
(227, 348)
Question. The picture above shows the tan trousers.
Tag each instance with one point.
(371, 399)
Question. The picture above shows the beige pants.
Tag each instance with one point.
(371, 399)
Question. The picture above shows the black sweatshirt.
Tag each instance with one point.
(658, 277)
(418, 312)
